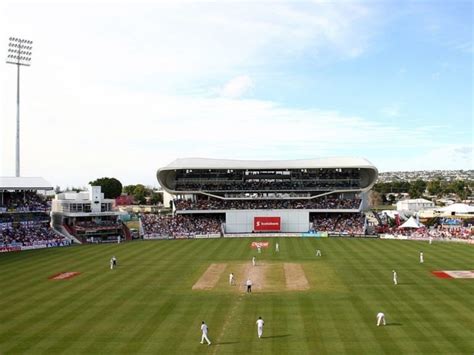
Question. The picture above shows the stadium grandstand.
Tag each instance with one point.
(232, 197)
(25, 221)
(88, 217)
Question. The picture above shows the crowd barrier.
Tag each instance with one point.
(13, 248)
(194, 236)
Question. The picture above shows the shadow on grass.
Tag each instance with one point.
(277, 336)
(226, 342)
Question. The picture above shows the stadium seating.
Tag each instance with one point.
(24, 221)
(180, 225)
(216, 204)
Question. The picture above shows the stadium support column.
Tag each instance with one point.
(19, 54)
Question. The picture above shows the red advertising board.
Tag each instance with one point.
(266, 224)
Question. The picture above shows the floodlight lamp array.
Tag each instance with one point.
(19, 51)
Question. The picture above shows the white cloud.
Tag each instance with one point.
(130, 134)
(237, 86)
(104, 94)
(391, 110)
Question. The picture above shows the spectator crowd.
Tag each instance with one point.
(265, 185)
(440, 232)
(27, 201)
(28, 235)
(180, 226)
(216, 204)
(24, 221)
(352, 224)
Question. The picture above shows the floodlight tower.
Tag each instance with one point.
(19, 53)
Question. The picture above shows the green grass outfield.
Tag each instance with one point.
(146, 305)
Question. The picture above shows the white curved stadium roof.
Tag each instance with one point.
(24, 183)
(166, 176)
(332, 162)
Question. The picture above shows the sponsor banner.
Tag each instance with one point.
(460, 274)
(267, 224)
(316, 234)
(206, 236)
(391, 236)
(64, 275)
(9, 249)
(256, 245)
(441, 274)
(31, 247)
(261, 235)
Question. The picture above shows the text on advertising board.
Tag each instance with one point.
(266, 224)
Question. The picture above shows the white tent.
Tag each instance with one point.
(411, 223)
(458, 208)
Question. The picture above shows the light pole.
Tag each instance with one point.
(19, 53)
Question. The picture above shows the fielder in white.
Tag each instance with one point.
(253, 261)
(112, 264)
(430, 239)
(380, 319)
(231, 279)
(422, 260)
(277, 247)
(395, 281)
(204, 330)
(259, 249)
(318, 252)
(260, 324)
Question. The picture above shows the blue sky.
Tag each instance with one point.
(120, 90)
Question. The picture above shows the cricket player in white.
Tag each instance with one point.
(253, 261)
(231, 279)
(111, 264)
(277, 247)
(422, 260)
(260, 324)
(259, 249)
(395, 281)
(318, 252)
(204, 331)
(431, 240)
(380, 319)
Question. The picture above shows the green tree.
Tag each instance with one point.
(156, 198)
(434, 187)
(417, 188)
(111, 187)
(139, 193)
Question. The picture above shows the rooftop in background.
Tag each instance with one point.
(24, 183)
(320, 163)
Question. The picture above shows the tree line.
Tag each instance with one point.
(438, 187)
(112, 188)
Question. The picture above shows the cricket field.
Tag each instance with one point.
(156, 298)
